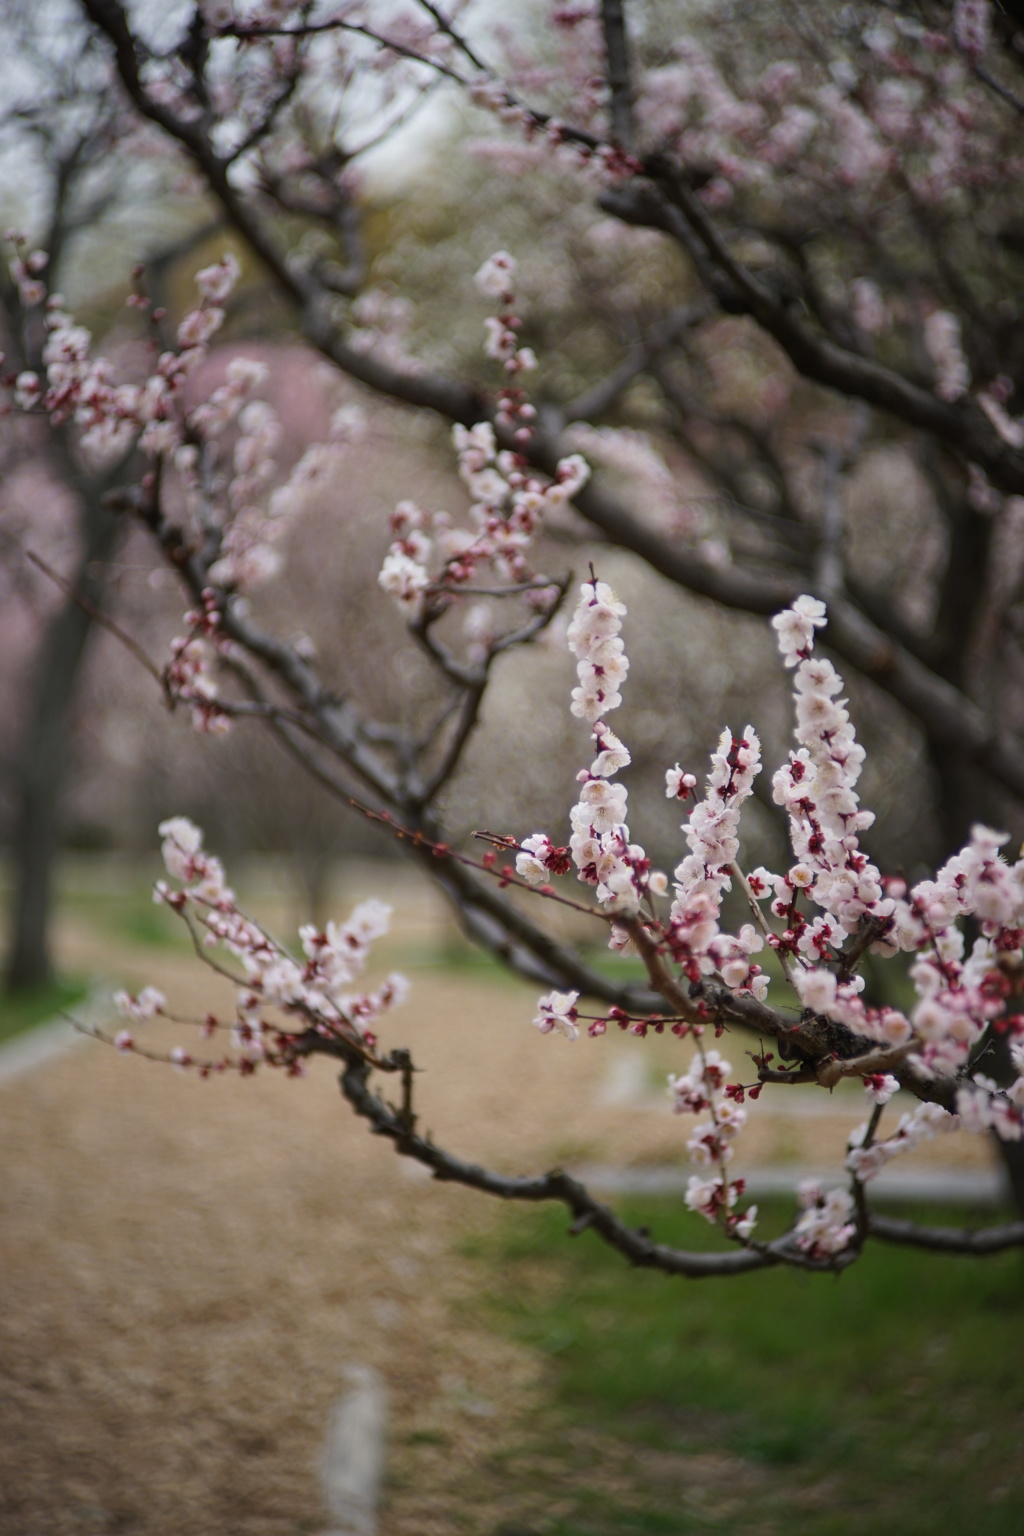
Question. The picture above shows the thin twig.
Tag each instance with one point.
(99, 617)
(785, 960)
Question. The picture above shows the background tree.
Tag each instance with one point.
(61, 122)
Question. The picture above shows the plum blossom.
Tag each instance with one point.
(216, 283)
(539, 859)
(405, 580)
(921, 1124)
(190, 674)
(825, 1228)
(942, 343)
(817, 789)
(795, 628)
(316, 992)
(557, 1011)
(679, 785)
(199, 326)
(602, 664)
(703, 877)
(146, 1005)
(497, 276)
(28, 390)
(704, 1087)
(509, 500)
(958, 994)
(972, 20)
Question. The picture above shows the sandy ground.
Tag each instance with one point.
(187, 1267)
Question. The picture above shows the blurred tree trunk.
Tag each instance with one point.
(41, 764)
(41, 761)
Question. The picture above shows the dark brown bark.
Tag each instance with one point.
(41, 768)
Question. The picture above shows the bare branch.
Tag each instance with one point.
(962, 425)
(600, 397)
(947, 1239)
(636, 1246)
(620, 89)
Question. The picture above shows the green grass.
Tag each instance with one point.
(898, 1386)
(128, 914)
(37, 1005)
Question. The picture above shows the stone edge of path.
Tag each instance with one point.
(352, 1464)
(41, 1043)
(932, 1185)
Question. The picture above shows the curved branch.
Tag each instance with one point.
(636, 1246)
(947, 1239)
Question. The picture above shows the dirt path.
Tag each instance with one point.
(186, 1268)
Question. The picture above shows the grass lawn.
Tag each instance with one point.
(889, 1399)
(37, 1005)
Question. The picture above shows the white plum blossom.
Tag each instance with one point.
(599, 844)
(795, 628)
(972, 21)
(405, 580)
(149, 1002)
(921, 1124)
(825, 1228)
(339, 953)
(679, 785)
(703, 877)
(704, 1087)
(182, 841)
(497, 275)
(187, 861)
(199, 326)
(817, 788)
(958, 995)
(28, 390)
(539, 859)
(593, 638)
(557, 1011)
(509, 499)
(942, 343)
(612, 755)
(216, 283)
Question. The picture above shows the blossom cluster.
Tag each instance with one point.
(816, 787)
(830, 895)
(705, 1087)
(826, 1227)
(702, 878)
(115, 415)
(508, 501)
(920, 1124)
(221, 448)
(894, 108)
(942, 343)
(599, 844)
(506, 513)
(190, 674)
(897, 99)
(315, 993)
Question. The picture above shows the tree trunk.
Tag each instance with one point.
(42, 761)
